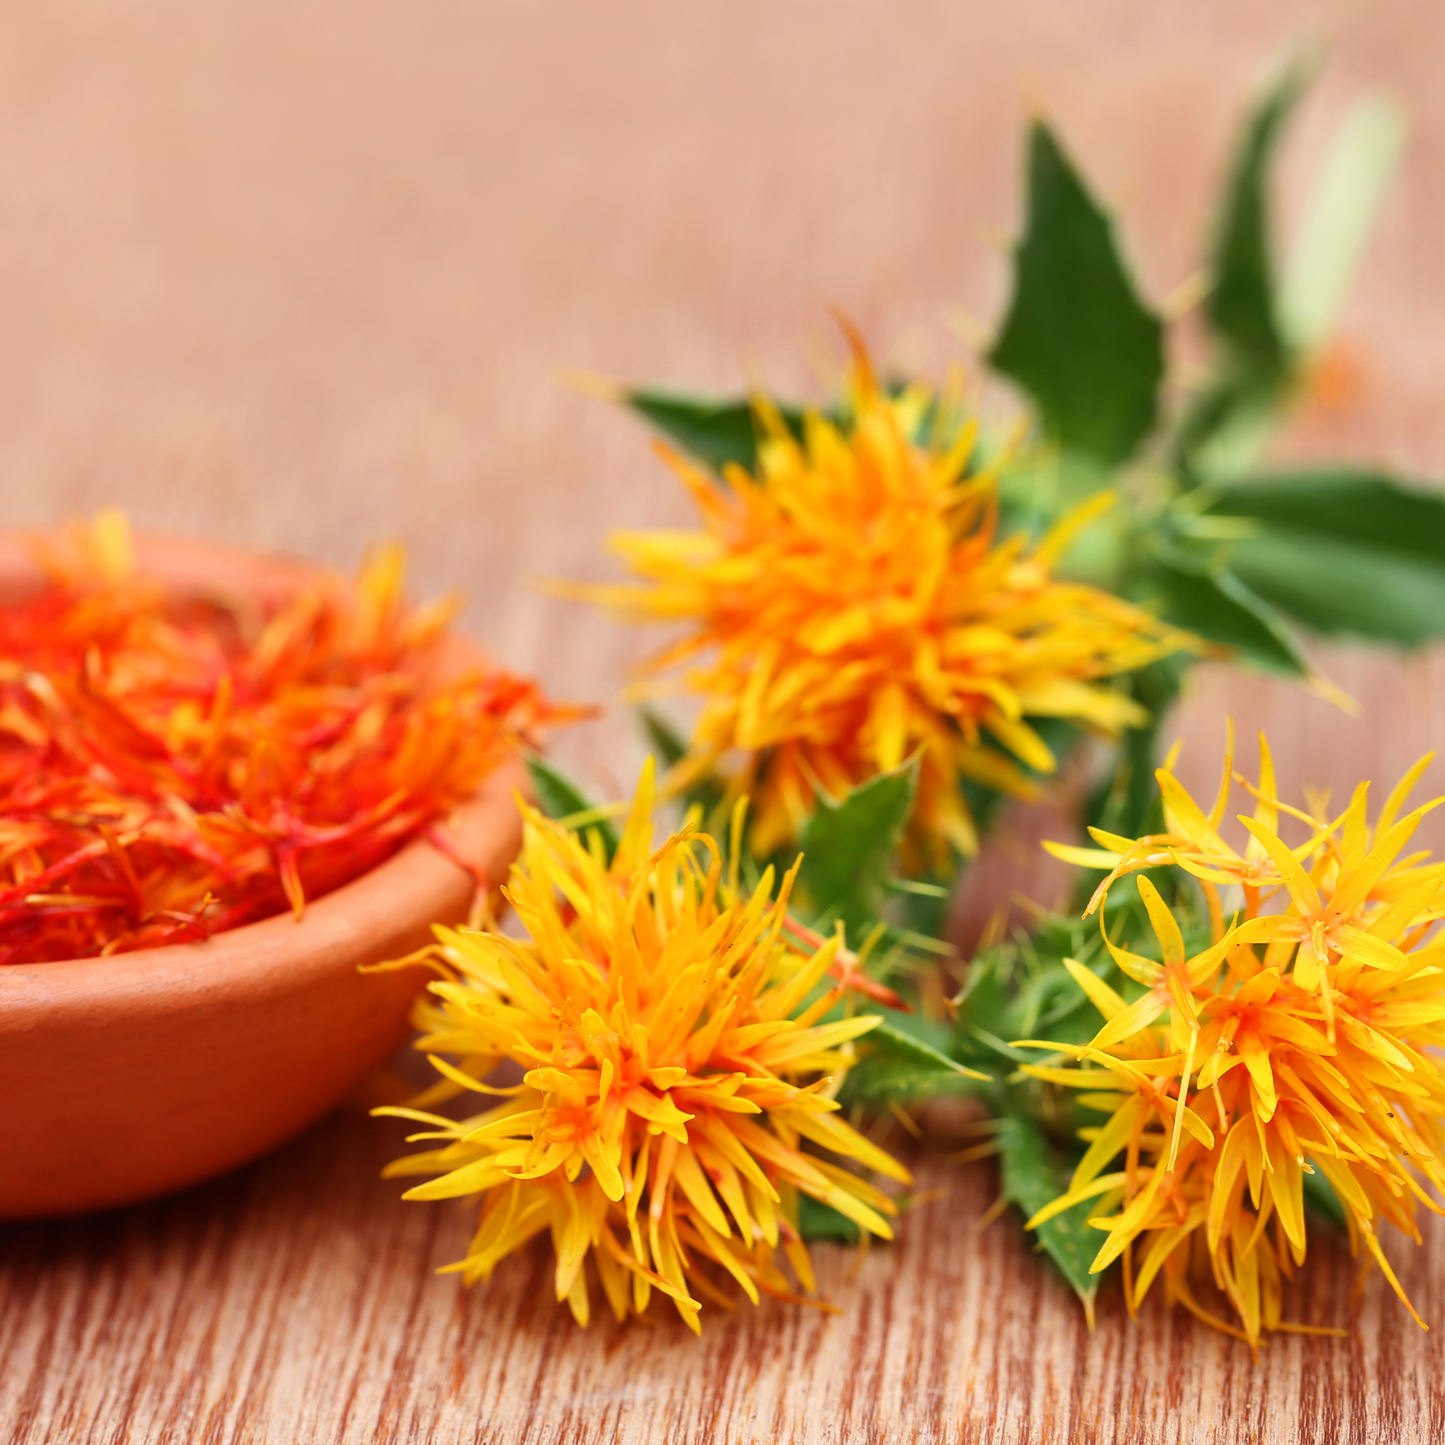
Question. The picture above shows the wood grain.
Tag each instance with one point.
(303, 277)
(294, 1301)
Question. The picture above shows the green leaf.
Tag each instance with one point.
(1032, 1179)
(1344, 504)
(1229, 420)
(981, 1024)
(921, 906)
(896, 1063)
(559, 797)
(915, 1036)
(1128, 802)
(1338, 219)
(1320, 1194)
(1241, 303)
(847, 847)
(1346, 553)
(706, 790)
(714, 430)
(1042, 483)
(1218, 607)
(669, 744)
(1344, 590)
(1040, 486)
(817, 1220)
(1077, 338)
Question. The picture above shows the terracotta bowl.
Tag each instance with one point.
(128, 1076)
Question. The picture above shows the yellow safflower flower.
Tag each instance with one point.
(851, 605)
(1309, 1029)
(675, 1065)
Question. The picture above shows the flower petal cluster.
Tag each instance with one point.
(175, 764)
(851, 604)
(1297, 1041)
(676, 1066)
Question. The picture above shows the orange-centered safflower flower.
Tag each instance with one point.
(675, 1065)
(851, 604)
(1297, 1041)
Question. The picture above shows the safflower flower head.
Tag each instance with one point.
(675, 1064)
(1296, 1041)
(851, 603)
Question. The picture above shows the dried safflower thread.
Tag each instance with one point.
(172, 765)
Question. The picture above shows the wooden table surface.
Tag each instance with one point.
(304, 277)
(295, 1301)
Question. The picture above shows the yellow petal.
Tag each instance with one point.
(1138, 1015)
(1100, 994)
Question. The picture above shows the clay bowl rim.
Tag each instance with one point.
(274, 952)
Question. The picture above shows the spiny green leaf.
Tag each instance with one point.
(878, 1079)
(982, 1008)
(1218, 607)
(1128, 802)
(1344, 504)
(670, 744)
(1344, 589)
(1032, 1179)
(1242, 307)
(1230, 418)
(896, 1063)
(923, 906)
(914, 1037)
(714, 430)
(1077, 338)
(847, 847)
(1338, 219)
(706, 790)
(559, 797)
(817, 1220)
(1346, 552)
(1319, 1193)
